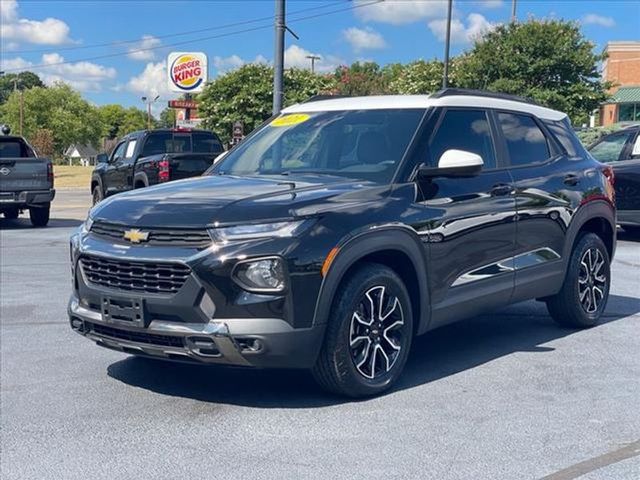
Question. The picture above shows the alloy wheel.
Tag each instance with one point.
(592, 280)
(376, 332)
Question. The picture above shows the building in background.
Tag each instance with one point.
(84, 155)
(622, 69)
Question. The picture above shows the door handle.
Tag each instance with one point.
(501, 189)
(571, 179)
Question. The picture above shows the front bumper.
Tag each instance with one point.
(248, 342)
(26, 198)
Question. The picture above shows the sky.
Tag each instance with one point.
(114, 51)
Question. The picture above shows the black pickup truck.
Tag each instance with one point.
(26, 181)
(149, 157)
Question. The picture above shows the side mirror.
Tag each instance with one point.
(102, 158)
(454, 163)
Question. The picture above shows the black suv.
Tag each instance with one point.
(621, 150)
(341, 229)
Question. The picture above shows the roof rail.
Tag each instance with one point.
(316, 98)
(449, 92)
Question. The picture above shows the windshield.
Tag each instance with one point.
(359, 144)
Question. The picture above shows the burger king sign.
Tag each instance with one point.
(187, 72)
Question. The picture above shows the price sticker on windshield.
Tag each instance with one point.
(292, 119)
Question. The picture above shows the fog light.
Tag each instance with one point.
(263, 275)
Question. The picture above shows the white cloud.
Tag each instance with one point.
(152, 81)
(296, 57)
(491, 3)
(399, 12)
(363, 39)
(83, 76)
(595, 19)
(224, 64)
(50, 31)
(476, 26)
(140, 51)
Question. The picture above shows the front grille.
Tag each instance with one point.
(138, 337)
(191, 237)
(164, 278)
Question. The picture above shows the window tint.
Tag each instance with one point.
(10, 149)
(157, 143)
(609, 149)
(525, 141)
(119, 151)
(564, 134)
(464, 130)
(181, 143)
(205, 143)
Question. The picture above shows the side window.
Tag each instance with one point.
(464, 130)
(564, 134)
(118, 151)
(131, 148)
(635, 152)
(526, 143)
(609, 149)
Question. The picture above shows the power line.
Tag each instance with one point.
(169, 35)
(195, 40)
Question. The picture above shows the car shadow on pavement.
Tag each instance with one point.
(525, 327)
(24, 223)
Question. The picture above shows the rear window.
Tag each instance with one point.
(564, 134)
(15, 148)
(526, 143)
(168, 142)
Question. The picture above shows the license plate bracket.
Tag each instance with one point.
(123, 311)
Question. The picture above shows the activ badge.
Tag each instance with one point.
(187, 71)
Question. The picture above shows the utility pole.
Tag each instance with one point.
(313, 59)
(447, 45)
(278, 63)
(15, 89)
(513, 11)
(148, 102)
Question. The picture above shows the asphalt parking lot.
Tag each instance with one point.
(502, 396)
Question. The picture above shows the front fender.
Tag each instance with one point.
(354, 248)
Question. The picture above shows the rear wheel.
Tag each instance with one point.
(585, 291)
(97, 195)
(11, 214)
(39, 216)
(368, 336)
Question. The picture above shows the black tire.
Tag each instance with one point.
(336, 369)
(11, 214)
(39, 216)
(96, 194)
(578, 304)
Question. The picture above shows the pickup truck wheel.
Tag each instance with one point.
(11, 214)
(369, 334)
(39, 216)
(585, 291)
(97, 195)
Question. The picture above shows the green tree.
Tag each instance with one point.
(167, 118)
(549, 61)
(419, 77)
(57, 108)
(363, 78)
(117, 121)
(24, 81)
(246, 95)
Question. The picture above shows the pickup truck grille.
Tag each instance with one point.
(136, 336)
(147, 277)
(157, 236)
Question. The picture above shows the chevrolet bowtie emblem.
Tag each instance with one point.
(136, 236)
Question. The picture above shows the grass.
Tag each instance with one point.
(72, 177)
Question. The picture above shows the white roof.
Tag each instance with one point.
(381, 102)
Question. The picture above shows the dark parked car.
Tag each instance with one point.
(150, 157)
(621, 150)
(26, 181)
(341, 229)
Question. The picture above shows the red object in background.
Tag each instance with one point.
(192, 104)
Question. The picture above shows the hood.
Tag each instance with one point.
(201, 201)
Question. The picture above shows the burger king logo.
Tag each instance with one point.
(187, 71)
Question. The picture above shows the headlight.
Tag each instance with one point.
(86, 226)
(263, 230)
(261, 275)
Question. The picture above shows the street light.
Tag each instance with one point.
(148, 102)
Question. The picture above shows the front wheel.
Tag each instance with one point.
(583, 297)
(39, 216)
(97, 195)
(368, 336)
